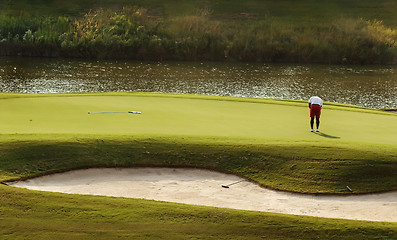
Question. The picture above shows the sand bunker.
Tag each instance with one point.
(203, 187)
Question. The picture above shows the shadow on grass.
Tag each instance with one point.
(326, 135)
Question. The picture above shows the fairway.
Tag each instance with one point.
(191, 115)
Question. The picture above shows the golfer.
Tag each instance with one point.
(315, 104)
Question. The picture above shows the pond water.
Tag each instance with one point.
(366, 86)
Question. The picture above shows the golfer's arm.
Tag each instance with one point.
(310, 105)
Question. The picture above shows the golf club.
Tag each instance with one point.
(133, 112)
(227, 186)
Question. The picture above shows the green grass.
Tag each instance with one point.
(267, 141)
(262, 139)
(39, 215)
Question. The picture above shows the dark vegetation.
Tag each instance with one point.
(264, 31)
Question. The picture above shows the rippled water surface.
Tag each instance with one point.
(367, 86)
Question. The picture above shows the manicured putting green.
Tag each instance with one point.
(170, 114)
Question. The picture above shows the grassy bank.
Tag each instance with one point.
(39, 215)
(265, 140)
(269, 31)
(298, 167)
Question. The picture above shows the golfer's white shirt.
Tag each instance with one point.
(316, 100)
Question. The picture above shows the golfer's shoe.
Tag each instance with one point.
(311, 130)
(317, 130)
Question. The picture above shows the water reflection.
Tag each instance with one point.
(368, 86)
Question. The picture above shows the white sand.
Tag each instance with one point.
(203, 187)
